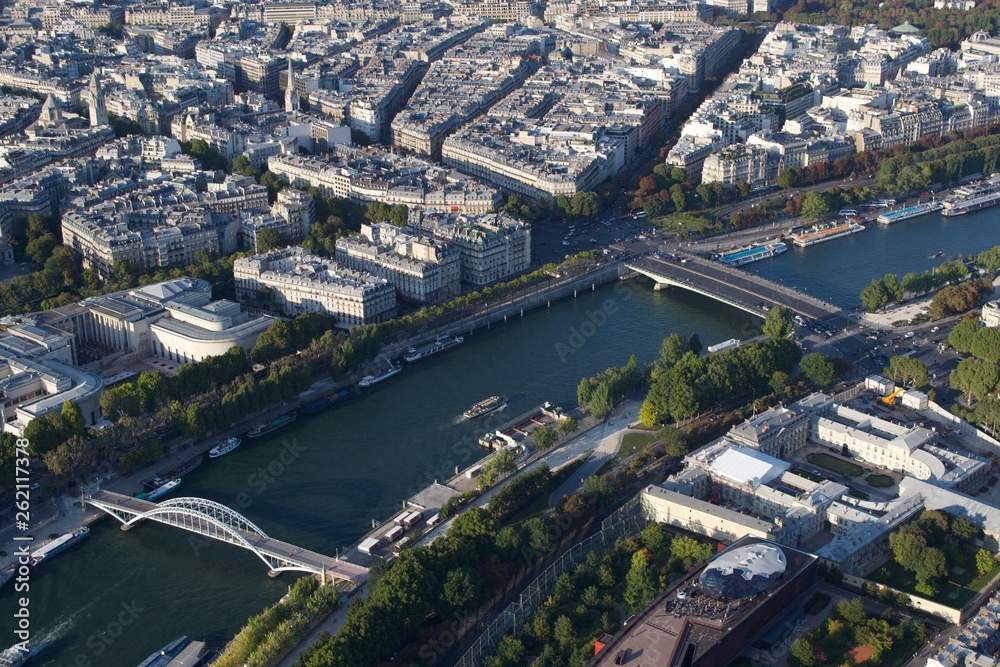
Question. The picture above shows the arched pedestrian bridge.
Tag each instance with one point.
(736, 288)
(218, 522)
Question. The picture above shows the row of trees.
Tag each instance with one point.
(283, 338)
(682, 383)
(962, 298)
(585, 603)
(271, 633)
(880, 292)
(446, 579)
(602, 392)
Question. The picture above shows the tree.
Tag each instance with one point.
(563, 632)
(689, 550)
(568, 425)
(473, 523)
(71, 458)
(72, 418)
(653, 538)
(964, 529)
(985, 561)
(778, 323)
(125, 399)
(601, 402)
(269, 239)
(964, 334)
(674, 442)
(779, 383)
(678, 174)
(989, 260)
(641, 585)
(544, 437)
(975, 377)
(986, 345)
(585, 204)
(817, 369)
(907, 369)
(789, 178)
(801, 653)
(694, 343)
(461, 588)
(874, 296)
(892, 287)
(814, 205)
(599, 485)
(241, 165)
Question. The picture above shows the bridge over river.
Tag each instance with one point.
(218, 522)
(736, 288)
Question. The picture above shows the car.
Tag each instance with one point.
(935, 329)
(909, 334)
(681, 595)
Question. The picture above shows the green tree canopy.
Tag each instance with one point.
(817, 369)
(778, 323)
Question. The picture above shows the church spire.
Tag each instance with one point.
(98, 109)
(291, 91)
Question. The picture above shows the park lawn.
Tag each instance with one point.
(879, 481)
(835, 464)
(634, 442)
(906, 581)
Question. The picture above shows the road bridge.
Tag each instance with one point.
(733, 287)
(218, 522)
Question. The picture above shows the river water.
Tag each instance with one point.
(320, 482)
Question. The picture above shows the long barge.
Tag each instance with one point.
(893, 217)
(438, 345)
(59, 545)
(753, 253)
(273, 425)
(321, 404)
(819, 234)
(971, 197)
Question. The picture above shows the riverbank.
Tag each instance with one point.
(904, 311)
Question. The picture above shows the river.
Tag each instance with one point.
(321, 482)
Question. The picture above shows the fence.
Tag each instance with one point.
(627, 520)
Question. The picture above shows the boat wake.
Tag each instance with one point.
(458, 420)
(51, 636)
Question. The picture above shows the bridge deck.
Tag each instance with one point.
(737, 288)
(268, 546)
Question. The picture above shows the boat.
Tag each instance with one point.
(439, 344)
(937, 254)
(485, 407)
(971, 197)
(15, 656)
(182, 469)
(370, 380)
(181, 652)
(224, 447)
(161, 491)
(753, 253)
(59, 545)
(326, 402)
(276, 423)
(909, 212)
(821, 234)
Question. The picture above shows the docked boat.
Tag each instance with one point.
(273, 425)
(438, 345)
(971, 197)
(182, 469)
(369, 380)
(161, 491)
(59, 545)
(326, 402)
(491, 404)
(753, 253)
(224, 447)
(821, 234)
(181, 652)
(15, 656)
(909, 212)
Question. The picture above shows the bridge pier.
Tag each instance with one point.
(660, 286)
(273, 574)
(125, 527)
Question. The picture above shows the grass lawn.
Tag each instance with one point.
(541, 503)
(634, 442)
(860, 495)
(879, 481)
(835, 464)
(954, 593)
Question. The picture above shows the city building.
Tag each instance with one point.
(294, 282)
(716, 609)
